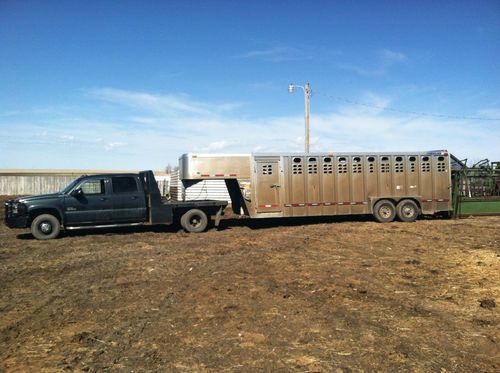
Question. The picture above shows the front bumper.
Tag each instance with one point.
(17, 222)
(12, 220)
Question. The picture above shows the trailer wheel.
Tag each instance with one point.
(407, 210)
(194, 221)
(45, 227)
(384, 211)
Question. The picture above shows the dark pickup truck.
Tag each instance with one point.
(101, 201)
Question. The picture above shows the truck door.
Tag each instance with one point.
(127, 199)
(92, 207)
(268, 185)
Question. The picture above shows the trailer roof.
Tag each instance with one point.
(299, 154)
(201, 155)
(319, 154)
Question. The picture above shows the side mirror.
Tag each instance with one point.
(78, 192)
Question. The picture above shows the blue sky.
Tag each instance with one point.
(134, 84)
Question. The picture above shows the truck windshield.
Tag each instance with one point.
(70, 186)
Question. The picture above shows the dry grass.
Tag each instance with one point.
(271, 296)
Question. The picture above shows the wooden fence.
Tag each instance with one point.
(30, 182)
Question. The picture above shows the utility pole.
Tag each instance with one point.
(307, 96)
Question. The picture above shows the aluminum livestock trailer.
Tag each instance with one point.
(387, 185)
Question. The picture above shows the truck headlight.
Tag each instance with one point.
(18, 208)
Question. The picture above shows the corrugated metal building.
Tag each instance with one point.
(29, 182)
(192, 190)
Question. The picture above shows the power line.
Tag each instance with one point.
(396, 110)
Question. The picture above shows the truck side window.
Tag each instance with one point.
(90, 187)
(124, 184)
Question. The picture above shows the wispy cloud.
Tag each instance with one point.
(113, 145)
(489, 113)
(390, 57)
(372, 104)
(289, 53)
(216, 146)
(159, 103)
(276, 54)
(148, 138)
(363, 71)
(379, 65)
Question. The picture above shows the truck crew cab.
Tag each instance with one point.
(100, 201)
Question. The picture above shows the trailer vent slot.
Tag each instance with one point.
(356, 165)
(267, 169)
(327, 165)
(342, 166)
(312, 168)
(441, 167)
(327, 168)
(371, 164)
(425, 165)
(398, 165)
(384, 165)
(297, 166)
(412, 163)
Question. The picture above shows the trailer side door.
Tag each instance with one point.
(268, 185)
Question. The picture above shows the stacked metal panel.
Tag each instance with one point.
(192, 190)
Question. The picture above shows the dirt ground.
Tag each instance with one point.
(337, 295)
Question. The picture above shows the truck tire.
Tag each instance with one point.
(45, 227)
(407, 210)
(384, 211)
(194, 221)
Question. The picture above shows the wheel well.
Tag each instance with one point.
(395, 202)
(33, 214)
(375, 201)
(208, 210)
(417, 202)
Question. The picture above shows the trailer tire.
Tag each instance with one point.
(407, 210)
(384, 211)
(45, 227)
(194, 221)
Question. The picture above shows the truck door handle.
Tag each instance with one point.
(275, 186)
(102, 199)
(134, 197)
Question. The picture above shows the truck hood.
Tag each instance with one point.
(39, 197)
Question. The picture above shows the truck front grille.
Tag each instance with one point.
(8, 209)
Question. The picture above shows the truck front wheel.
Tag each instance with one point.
(194, 221)
(45, 227)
